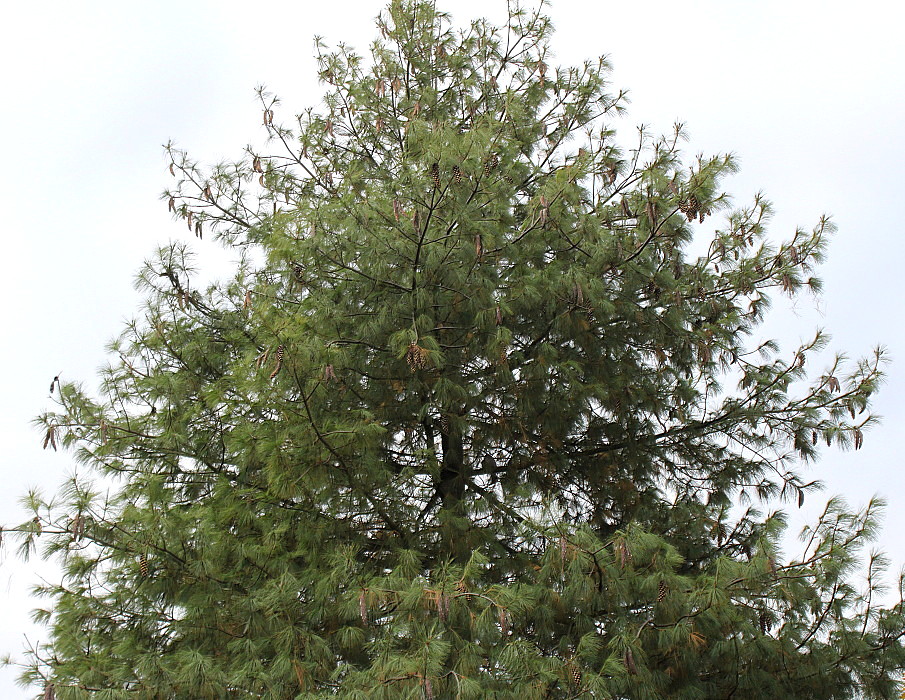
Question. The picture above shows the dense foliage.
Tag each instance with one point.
(470, 420)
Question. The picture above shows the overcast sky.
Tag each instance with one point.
(808, 94)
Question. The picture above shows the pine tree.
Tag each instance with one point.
(469, 421)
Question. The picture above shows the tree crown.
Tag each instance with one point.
(469, 420)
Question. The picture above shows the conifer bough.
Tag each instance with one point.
(468, 422)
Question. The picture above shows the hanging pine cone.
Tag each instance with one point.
(623, 554)
(628, 659)
(77, 527)
(575, 674)
(504, 621)
(435, 175)
(143, 565)
(662, 591)
(764, 622)
(691, 208)
(279, 362)
(416, 357)
(457, 174)
(577, 294)
(443, 607)
(651, 211)
(363, 607)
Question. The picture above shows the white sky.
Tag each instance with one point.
(808, 94)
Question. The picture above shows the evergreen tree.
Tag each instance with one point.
(470, 421)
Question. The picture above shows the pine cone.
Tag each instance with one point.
(623, 554)
(77, 527)
(628, 659)
(574, 674)
(504, 621)
(662, 591)
(435, 175)
(279, 362)
(143, 565)
(363, 608)
(443, 607)
(691, 208)
(457, 174)
(577, 294)
(416, 357)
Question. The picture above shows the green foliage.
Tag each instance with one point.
(469, 421)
